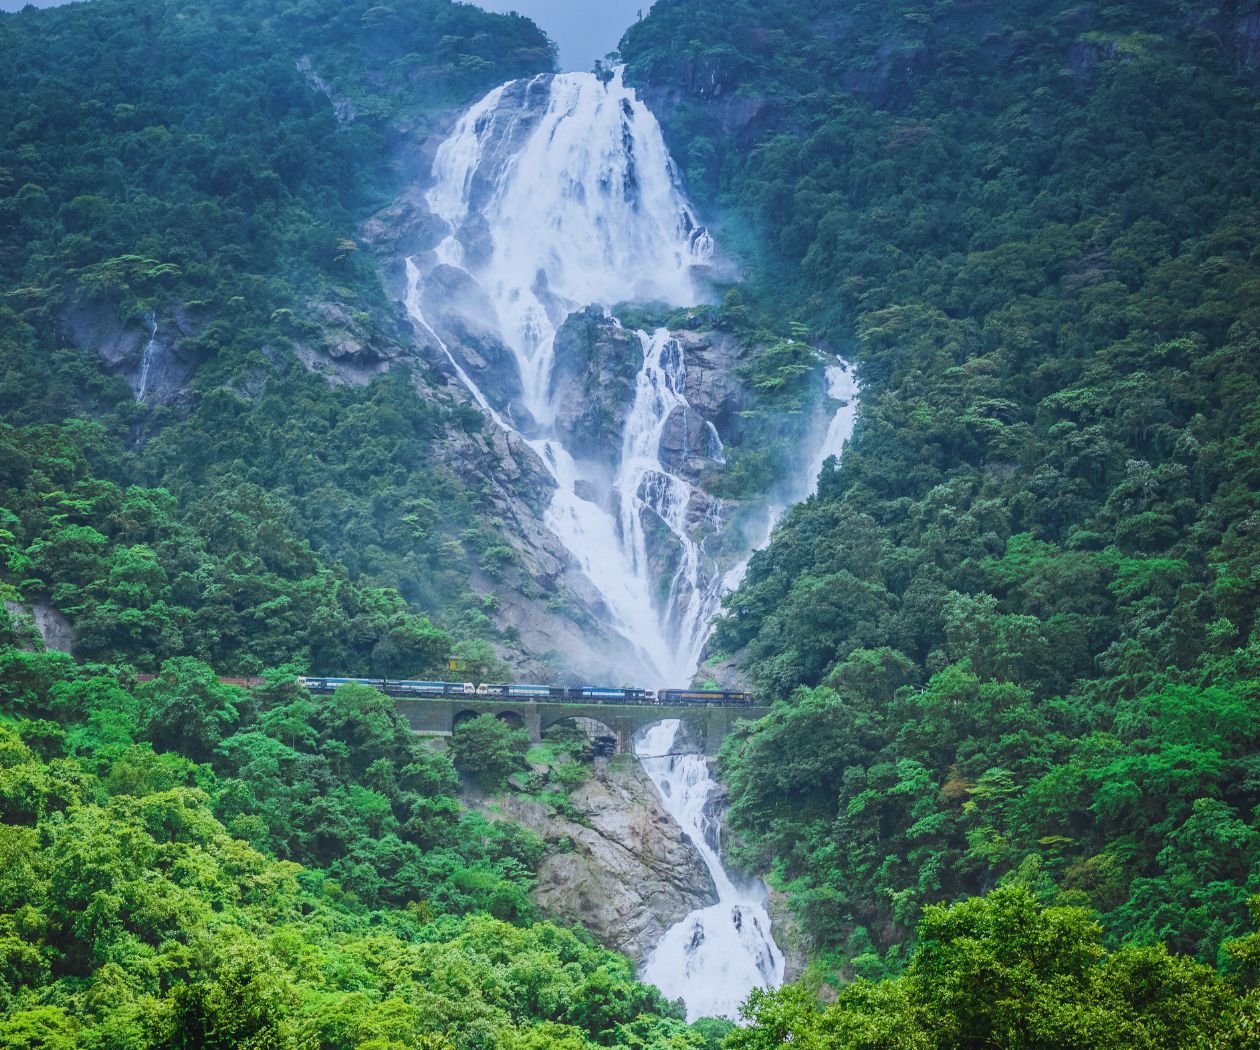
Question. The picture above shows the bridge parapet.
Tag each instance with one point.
(710, 722)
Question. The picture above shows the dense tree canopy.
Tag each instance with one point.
(1013, 639)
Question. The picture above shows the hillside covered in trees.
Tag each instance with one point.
(1009, 782)
(1013, 640)
(202, 170)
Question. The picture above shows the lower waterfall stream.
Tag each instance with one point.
(715, 956)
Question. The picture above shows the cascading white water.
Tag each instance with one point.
(581, 203)
(842, 387)
(715, 956)
(146, 359)
(558, 192)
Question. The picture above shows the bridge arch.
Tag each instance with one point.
(511, 718)
(603, 738)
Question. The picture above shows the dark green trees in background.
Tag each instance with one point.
(230, 581)
(1013, 639)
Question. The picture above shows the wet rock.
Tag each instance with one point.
(465, 319)
(41, 620)
(685, 443)
(404, 228)
(626, 871)
(740, 116)
(592, 382)
(527, 100)
(788, 935)
(713, 387)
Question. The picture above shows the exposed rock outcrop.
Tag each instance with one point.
(155, 356)
(405, 227)
(592, 381)
(41, 618)
(624, 870)
(464, 318)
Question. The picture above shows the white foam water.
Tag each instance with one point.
(558, 193)
(715, 956)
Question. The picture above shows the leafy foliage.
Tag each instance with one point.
(311, 881)
(1013, 639)
(1001, 971)
(205, 168)
(229, 582)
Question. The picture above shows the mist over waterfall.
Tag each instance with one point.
(715, 956)
(556, 196)
(556, 200)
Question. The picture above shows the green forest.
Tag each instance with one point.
(1013, 640)
(172, 161)
(1009, 784)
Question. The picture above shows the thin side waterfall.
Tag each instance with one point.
(146, 359)
(715, 956)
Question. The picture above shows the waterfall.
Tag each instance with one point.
(715, 956)
(571, 179)
(841, 387)
(146, 359)
(557, 193)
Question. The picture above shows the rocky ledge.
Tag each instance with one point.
(622, 868)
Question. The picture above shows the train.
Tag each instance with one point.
(597, 694)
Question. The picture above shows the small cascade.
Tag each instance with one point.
(842, 387)
(146, 359)
(715, 956)
(646, 486)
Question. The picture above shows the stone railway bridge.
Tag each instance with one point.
(706, 722)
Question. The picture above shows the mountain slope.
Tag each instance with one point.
(181, 194)
(1021, 611)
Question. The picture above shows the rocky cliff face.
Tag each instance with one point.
(40, 620)
(550, 609)
(623, 868)
(593, 382)
(157, 356)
